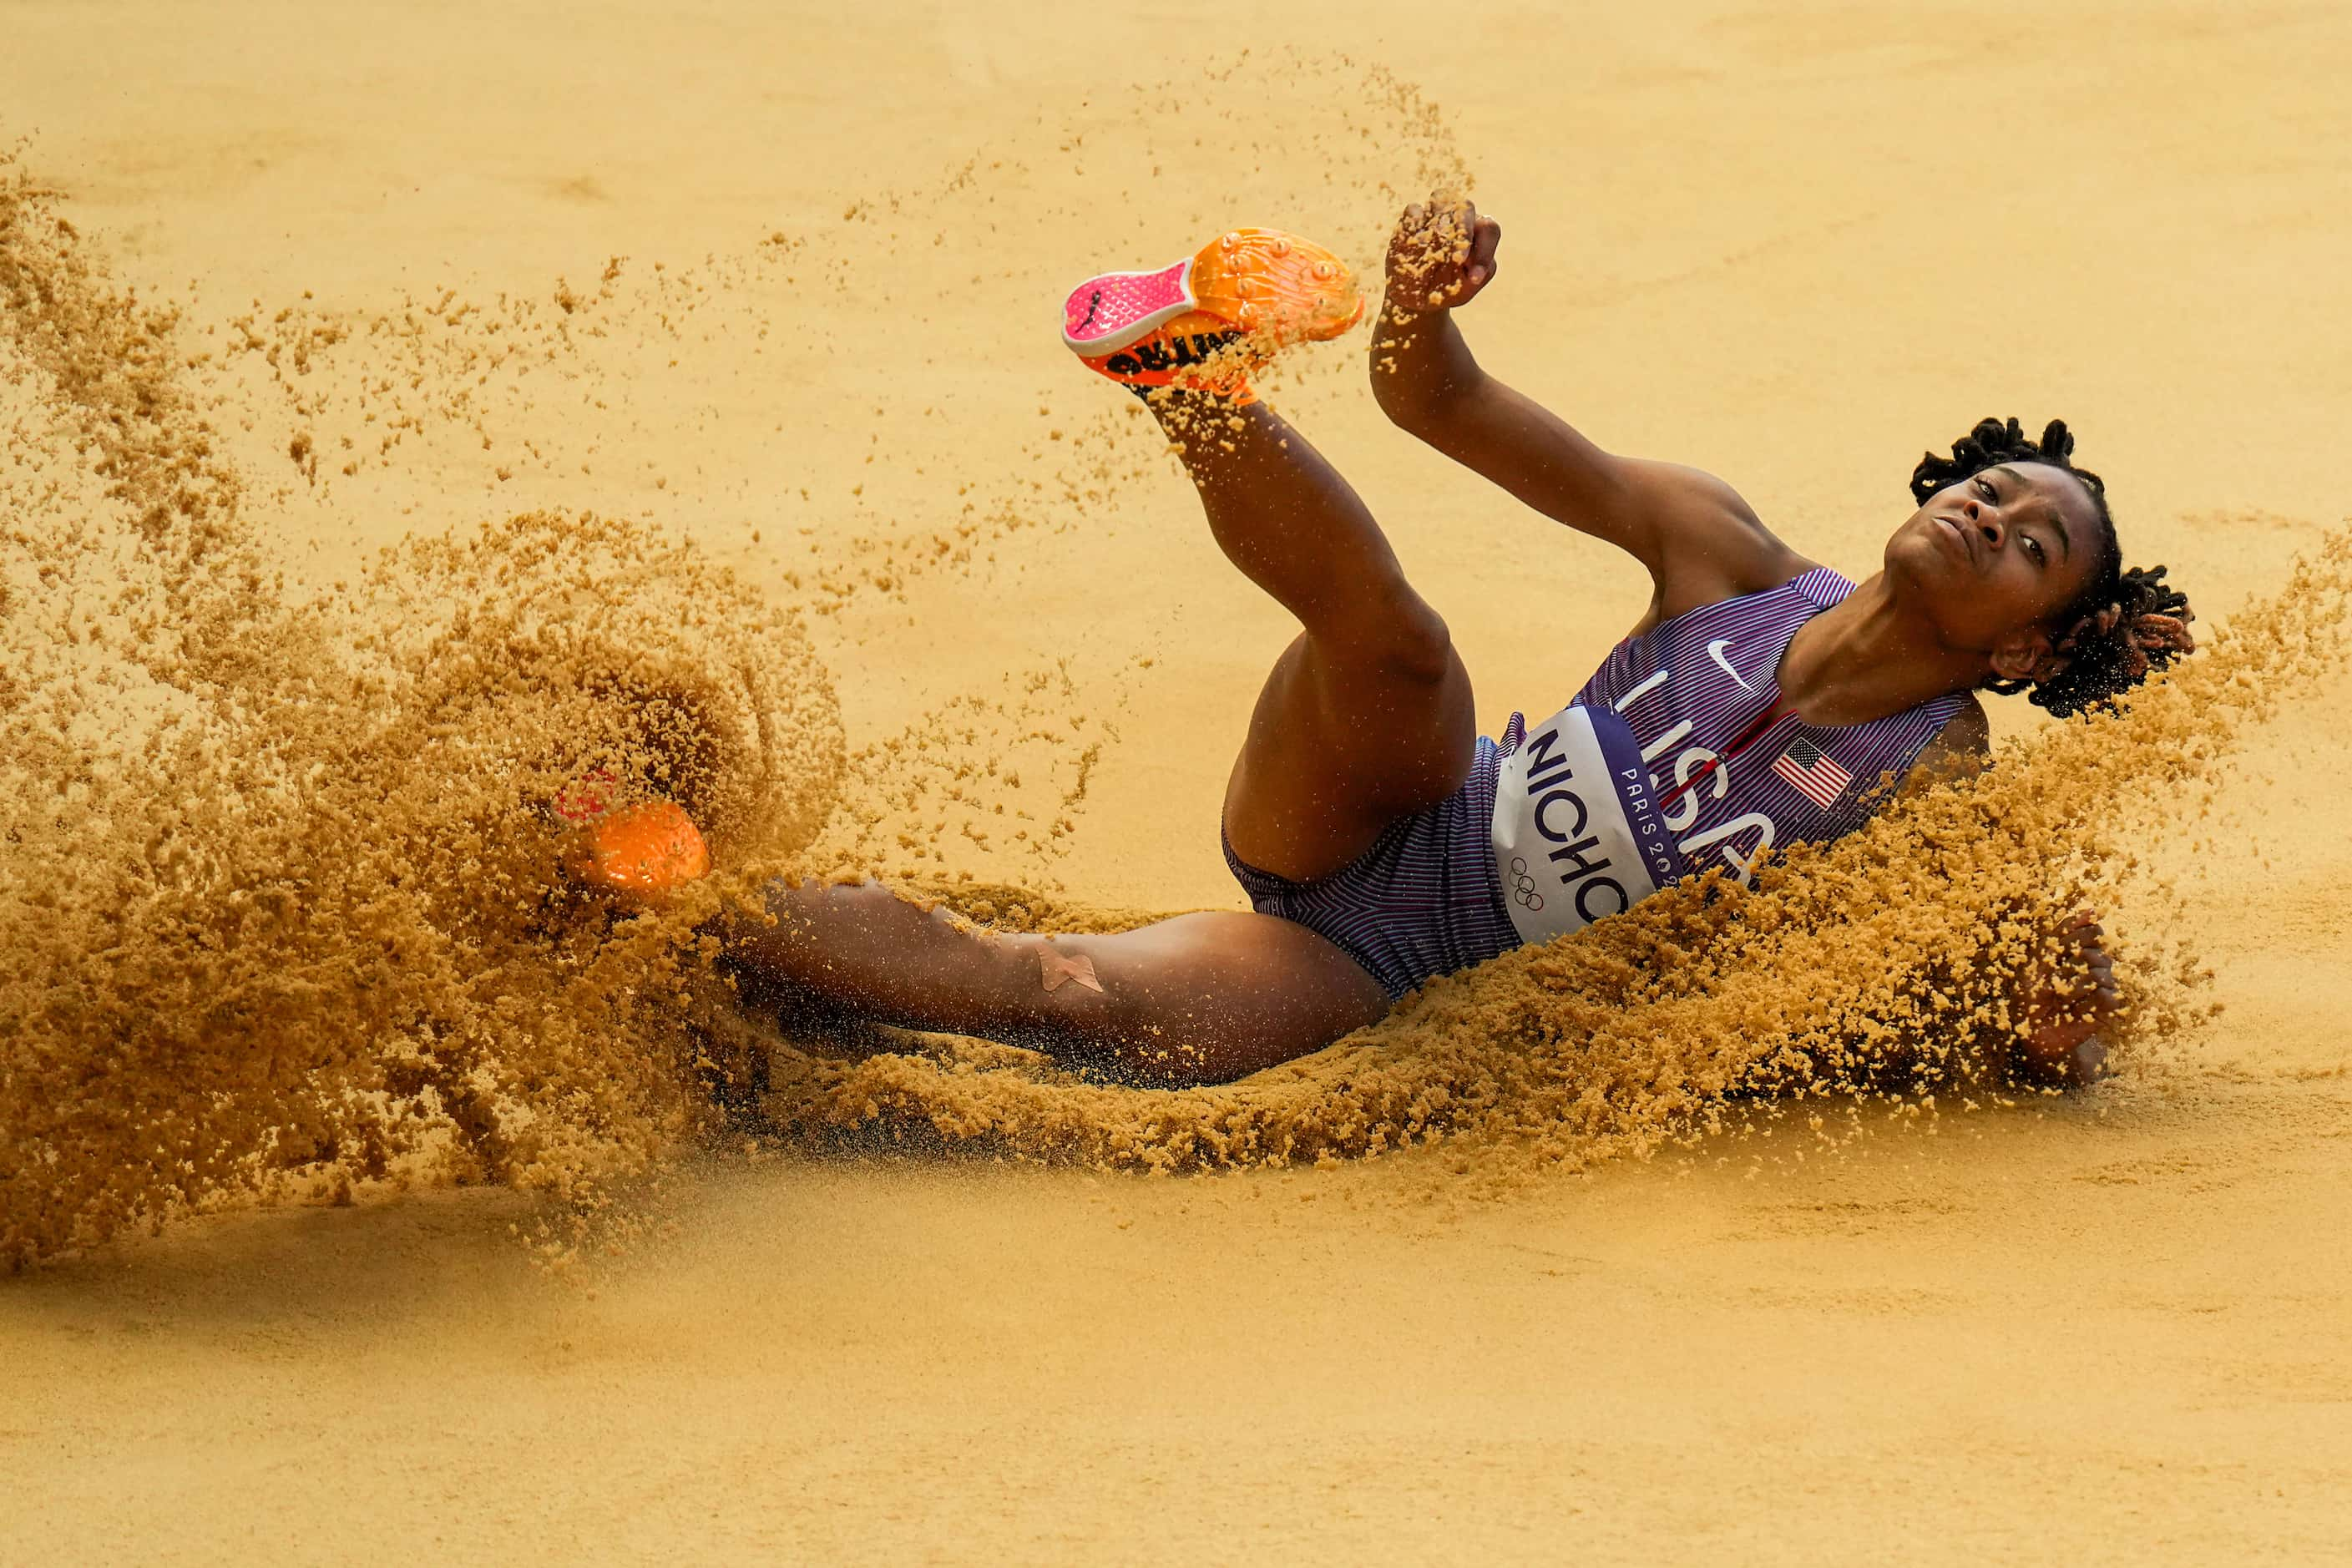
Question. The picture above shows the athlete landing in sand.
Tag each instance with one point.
(1759, 700)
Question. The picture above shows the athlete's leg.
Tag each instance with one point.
(1201, 998)
(1367, 715)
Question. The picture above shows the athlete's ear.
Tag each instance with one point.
(2019, 655)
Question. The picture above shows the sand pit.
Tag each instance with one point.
(392, 442)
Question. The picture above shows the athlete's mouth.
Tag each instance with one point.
(1958, 539)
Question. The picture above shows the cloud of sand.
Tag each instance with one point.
(283, 898)
(279, 884)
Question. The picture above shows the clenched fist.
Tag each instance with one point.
(1441, 255)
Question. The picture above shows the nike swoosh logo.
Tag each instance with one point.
(1714, 651)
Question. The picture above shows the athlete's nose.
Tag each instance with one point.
(1988, 522)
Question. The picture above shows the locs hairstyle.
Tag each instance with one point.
(2125, 622)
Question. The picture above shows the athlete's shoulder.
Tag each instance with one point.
(1959, 749)
(1714, 546)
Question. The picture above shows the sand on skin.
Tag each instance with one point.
(2114, 1332)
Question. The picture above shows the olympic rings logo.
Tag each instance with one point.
(1523, 887)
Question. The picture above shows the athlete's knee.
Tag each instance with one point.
(1403, 639)
(1070, 988)
(1423, 648)
(1135, 1015)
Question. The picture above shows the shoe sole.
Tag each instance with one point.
(1245, 278)
(650, 847)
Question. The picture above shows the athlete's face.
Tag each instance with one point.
(1994, 558)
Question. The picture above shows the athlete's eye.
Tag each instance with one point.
(1986, 486)
(2040, 556)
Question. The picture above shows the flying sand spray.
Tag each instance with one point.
(290, 911)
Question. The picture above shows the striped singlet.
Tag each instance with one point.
(1676, 756)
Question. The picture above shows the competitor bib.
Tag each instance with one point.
(1576, 830)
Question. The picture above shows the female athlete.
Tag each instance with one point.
(1760, 699)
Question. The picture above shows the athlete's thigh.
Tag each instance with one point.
(1340, 746)
(1205, 998)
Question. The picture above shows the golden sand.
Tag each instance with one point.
(305, 917)
(317, 587)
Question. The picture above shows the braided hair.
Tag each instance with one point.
(2124, 622)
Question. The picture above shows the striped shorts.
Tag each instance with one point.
(1421, 901)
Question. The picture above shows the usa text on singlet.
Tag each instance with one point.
(1576, 830)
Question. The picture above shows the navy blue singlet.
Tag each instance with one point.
(1677, 755)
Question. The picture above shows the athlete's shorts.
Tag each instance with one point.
(1421, 901)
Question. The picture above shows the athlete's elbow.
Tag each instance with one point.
(1406, 406)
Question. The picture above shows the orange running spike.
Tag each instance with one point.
(1243, 295)
(651, 848)
(1276, 286)
(1195, 349)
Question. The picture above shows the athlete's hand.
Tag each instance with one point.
(1441, 255)
(2068, 1009)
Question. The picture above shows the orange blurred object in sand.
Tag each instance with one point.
(651, 848)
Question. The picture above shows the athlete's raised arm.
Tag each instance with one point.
(1699, 540)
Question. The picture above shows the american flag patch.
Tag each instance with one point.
(1810, 774)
